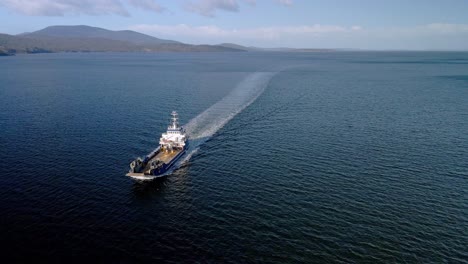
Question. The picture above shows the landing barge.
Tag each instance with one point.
(172, 146)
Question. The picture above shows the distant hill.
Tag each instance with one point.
(83, 38)
(93, 39)
(235, 46)
(95, 32)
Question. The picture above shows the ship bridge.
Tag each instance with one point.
(175, 135)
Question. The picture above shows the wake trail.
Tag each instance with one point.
(206, 124)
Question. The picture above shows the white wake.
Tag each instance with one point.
(206, 124)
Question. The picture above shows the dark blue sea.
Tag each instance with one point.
(338, 157)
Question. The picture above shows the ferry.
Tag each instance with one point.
(172, 145)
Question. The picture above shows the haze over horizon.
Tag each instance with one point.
(378, 25)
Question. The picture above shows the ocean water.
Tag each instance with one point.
(337, 157)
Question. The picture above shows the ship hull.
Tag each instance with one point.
(149, 174)
(160, 162)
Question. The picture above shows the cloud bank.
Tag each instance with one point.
(147, 5)
(206, 8)
(268, 33)
(209, 7)
(63, 7)
(430, 36)
(259, 36)
(76, 7)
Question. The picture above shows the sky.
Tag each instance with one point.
(347, 24)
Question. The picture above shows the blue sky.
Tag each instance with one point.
(362, 24)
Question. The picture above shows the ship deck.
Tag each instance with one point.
(166, 157)
(163, 156)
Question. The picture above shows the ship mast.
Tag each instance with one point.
(174, 120)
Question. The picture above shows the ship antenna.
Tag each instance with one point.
(174, 119)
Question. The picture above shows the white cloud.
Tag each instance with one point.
(430, 36)
(209, 7)
(286, 2)
(259, 33)
(147, 5)
(76, 7)
(428, 30)
(119, 7)
(447, 28)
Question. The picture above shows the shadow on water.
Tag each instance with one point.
(149, 188)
